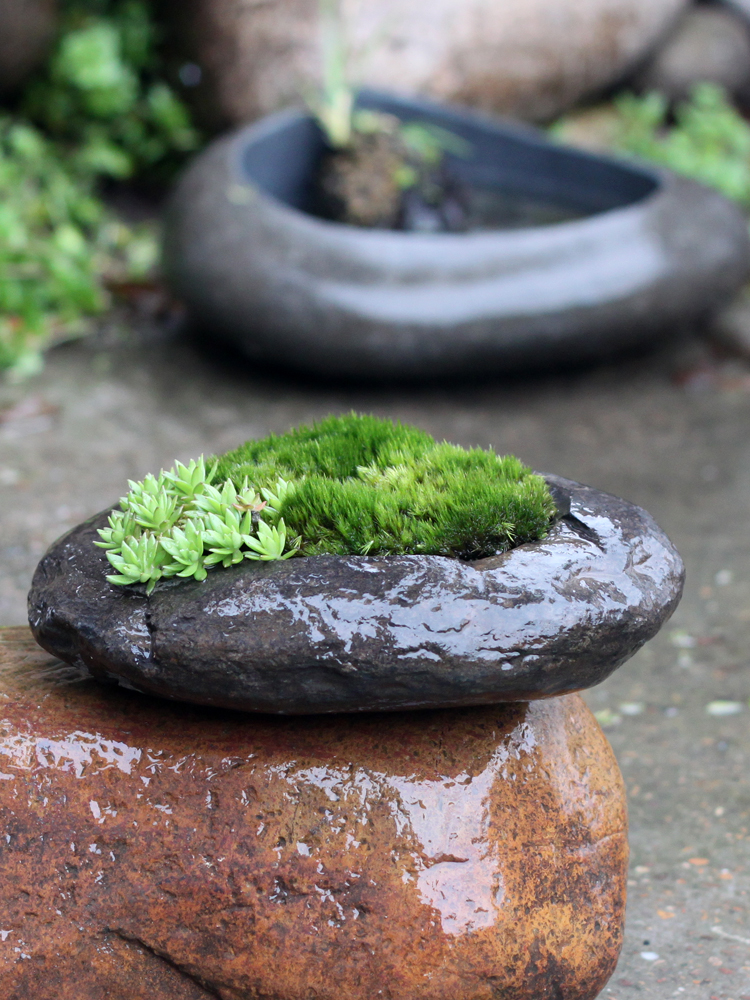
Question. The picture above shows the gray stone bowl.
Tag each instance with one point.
(354, 634)
(645, 251)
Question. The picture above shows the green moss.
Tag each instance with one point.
(370, 486)
(349, 485)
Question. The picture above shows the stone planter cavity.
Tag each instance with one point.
(476, 848)
(641, 251)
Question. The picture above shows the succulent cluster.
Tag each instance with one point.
(182, 524)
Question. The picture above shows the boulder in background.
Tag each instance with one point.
(526, 58)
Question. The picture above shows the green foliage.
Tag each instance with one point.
(708, 141)
(349, 485)
(101, 93)
(58, 245)
(97, 110)
(334, 107)
(429, 143)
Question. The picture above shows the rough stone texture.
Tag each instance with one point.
(710, 43)
(157, 852)
(335, 634)
(651, 250)
(26, 29)
(525, 58)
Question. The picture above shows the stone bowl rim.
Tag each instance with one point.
(237, 140)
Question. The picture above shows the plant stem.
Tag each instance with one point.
(337, 99)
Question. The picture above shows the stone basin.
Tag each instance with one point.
(340, 634)
(158, 851)
(635, 251)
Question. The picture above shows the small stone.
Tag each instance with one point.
(720, 708)
(682, 640)
(156, 851)
(631, 707)
(607, 718)
(9, 476)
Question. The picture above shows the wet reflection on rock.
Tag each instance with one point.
(156, 851)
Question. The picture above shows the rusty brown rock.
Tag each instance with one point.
(155, 851)
(526, 58)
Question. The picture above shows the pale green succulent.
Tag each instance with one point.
(269, 544)
(226, 536)
(274, 500)
(179, 523)
(139, 560)
(186, 548)
(121, 526)
(190, 480)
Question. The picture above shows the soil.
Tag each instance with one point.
(359, 185)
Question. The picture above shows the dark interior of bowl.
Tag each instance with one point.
(515, 176)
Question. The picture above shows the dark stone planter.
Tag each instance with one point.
(649, 251)
(343, 634)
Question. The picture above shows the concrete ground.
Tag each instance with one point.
(670, 431)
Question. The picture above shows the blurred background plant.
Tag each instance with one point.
(98, 112)
(704, 137)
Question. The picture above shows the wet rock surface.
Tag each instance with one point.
(667, 430)
(334, 634)
(162, 852)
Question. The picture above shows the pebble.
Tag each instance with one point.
(721, 708)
